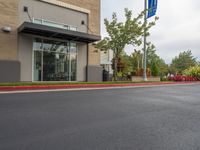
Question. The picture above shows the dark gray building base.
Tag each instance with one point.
(9, 71)
(94, 74)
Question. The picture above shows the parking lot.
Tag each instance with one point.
(150, 118)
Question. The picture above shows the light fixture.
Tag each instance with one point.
(25, 9)
(6, 29)
(83, 22)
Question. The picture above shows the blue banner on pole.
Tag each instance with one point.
(152, 8)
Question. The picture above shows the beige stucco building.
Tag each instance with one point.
(49, 40)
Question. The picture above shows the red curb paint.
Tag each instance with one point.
(68, 86)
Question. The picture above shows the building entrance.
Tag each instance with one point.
(54, 60)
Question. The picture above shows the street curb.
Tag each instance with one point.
(82, 86)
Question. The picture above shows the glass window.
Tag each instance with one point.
(73, 58)
(37, 21)
(73, 47)
(48, 45)
(54, 24)
(72, 28)
(54, 60)
(37, 65)
(56, 67)
(55, 46)
(37, 44)
(48, 66)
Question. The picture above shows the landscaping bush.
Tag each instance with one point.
(182, 78)
(164, 78)
(193, 71)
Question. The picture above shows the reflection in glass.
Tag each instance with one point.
(55, 67)
(37, 44)
(55, 46)
(54, 24)
(54, 60)
(37, 65)
(73, 59)
(73, 48)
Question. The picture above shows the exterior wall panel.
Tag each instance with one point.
(8, 41)
(94, 74)
(42, 10)
(25, 57)
(10, 71)
(93, 24)
(82, 62)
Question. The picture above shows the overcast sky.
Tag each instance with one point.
(177, 30)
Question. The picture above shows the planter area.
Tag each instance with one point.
(140, 79)
(179, 78)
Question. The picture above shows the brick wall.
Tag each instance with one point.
(9, 17)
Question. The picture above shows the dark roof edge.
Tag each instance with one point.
(33, 26)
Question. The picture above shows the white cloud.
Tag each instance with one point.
(177, 29)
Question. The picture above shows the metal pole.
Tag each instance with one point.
(145, 52)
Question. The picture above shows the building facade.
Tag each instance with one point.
(49, 40)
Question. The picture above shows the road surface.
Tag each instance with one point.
(151, 118)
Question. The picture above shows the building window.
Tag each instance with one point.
(54, 24)
(54, 60)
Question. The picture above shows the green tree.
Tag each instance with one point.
(182, 62)
(137, 58)
(163, 67)
(193, 71)
(154, 69)
(121, 34)
(128, 67)
(154, 62)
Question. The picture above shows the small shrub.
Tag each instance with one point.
(182, 78)
(164, 78)
(193, 71)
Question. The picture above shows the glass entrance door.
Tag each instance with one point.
(37, 66)
(54, 61)
(73, 61)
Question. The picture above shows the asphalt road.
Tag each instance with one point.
(157, 118)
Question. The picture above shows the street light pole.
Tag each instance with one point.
(145, 40)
